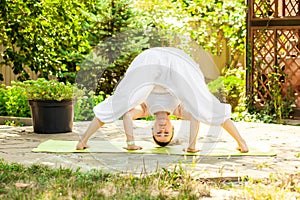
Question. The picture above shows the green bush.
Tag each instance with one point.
(44, 36)
(230, 88)
(14, 101)
(83, 109)
(2, 100)
(42, 89)
(52, 38)
(277, 106)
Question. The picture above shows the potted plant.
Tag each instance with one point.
(51, 105)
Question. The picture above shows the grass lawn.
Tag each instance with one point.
(41, 182)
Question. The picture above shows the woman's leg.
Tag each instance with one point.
(229, 126)
(92, 128)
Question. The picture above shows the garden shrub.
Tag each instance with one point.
(230, 88)
(83, 109)
(279, 105)
(42, 89)
(44, 36)
(14, 101)
(52, 38)
(2, 100)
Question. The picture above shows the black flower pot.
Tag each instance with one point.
(52, 116)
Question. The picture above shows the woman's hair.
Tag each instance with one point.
(163, 144)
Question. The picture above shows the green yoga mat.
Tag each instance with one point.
(62, 146)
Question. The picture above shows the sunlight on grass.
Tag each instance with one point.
(277, 186)
(42, 182)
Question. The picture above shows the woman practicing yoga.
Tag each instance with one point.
(163, 81)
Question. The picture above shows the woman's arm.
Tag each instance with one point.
(194, 127)
(135, 113)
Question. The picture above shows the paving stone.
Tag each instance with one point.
(17, 143)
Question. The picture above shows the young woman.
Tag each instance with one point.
(163, 81)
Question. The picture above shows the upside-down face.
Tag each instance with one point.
(162, 129)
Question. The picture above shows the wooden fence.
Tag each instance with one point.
(274, 38)
(8, 74)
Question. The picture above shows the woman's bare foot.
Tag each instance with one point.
(81, 145)
(191, 150)
(243, 148)
(133, 147)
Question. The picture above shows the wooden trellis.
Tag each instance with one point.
(274, 49)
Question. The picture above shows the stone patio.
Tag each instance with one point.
(17, 143)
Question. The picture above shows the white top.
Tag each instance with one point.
(174, 70)
(161, 100)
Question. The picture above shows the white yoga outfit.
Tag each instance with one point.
(172, 69)
(161, 100)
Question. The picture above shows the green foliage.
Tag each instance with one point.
(163, 14)
(2, 100)
(83, 108)
(13, 123)
(219, 21)
(117, 37)
(210, 23)
(230, 88)
(42, 89)
(44, 36)
(277, 106)
(106, 18)
(13, 101)
(14, 98)
(43, 182)
(119, 52)
(53, 37)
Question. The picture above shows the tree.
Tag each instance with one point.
(43, 36)
(116, 37)
(216, 21)
(208, 22)
(54, 38)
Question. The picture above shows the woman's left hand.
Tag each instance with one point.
(133, 147)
